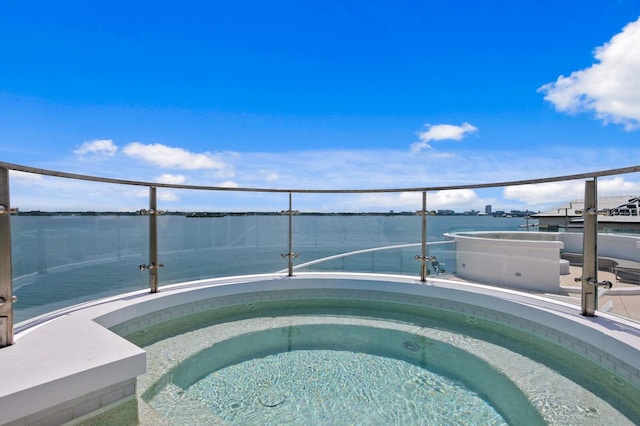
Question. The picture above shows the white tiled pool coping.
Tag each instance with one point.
(73, 365)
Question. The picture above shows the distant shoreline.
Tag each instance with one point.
(206, 214)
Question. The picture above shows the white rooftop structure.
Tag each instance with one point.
(570, 214)
(569, 209)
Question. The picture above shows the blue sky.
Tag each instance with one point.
(318, 94)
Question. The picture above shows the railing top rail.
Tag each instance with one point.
(588, 175)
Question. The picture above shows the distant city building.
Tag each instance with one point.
(487, 209)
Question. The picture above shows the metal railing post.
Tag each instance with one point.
(153, 239)
(6, 296)
(153, 265)
(423, 256)
(590, 284)
(290, 254)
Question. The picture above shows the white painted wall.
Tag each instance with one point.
(572, 241)
(609, 245)
(529, 260)
(526, 260)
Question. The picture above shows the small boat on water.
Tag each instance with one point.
(205, 214)
(528, 225)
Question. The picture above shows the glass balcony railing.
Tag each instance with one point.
(130, 235)
(395, 259)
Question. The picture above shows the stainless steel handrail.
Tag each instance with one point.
(588, 175)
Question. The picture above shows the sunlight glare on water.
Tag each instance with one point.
(331, 387)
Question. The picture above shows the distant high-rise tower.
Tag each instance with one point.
(487, 209)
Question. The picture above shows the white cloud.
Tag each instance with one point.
(164, 194)
(60, 194)
(344, 169)
(139, 193)
(25, 177)
(271, 177)
(442, 155)
(464, 198)
(441, 132)
(458, 199)
(100, 148)
(611, 87)
(378, 169)
(547, 194)
(617, 186)
(406, 201)
(171, 179)
(169, 157)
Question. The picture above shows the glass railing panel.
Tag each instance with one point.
(390, 260)
(75, 255)
(67, 253)
(618, 263)
(393, 262)
(337, 232)
(555, 273)
(442, 258)
(618, 244)
(215, 240)
(464, 223)
(623, 299)
(619, 206)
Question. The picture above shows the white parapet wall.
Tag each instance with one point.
(609, 245)
(521, 260)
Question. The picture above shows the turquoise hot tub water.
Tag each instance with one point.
(357, 362)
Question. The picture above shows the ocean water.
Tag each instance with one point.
(59, 261)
